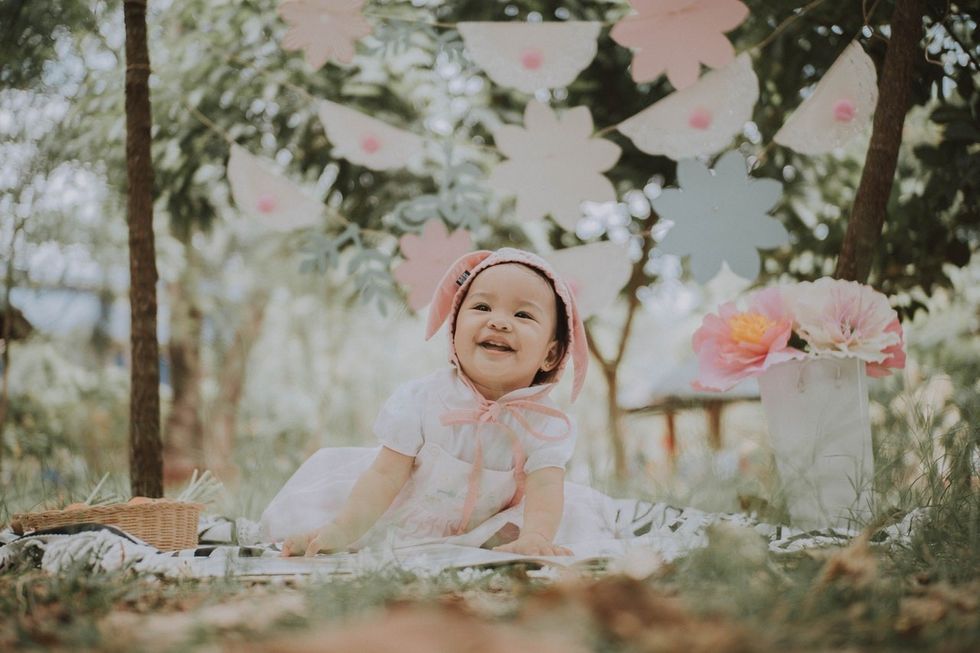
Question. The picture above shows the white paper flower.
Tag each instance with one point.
(844, 319)
(700, 119)
(272, 200)
(324, 29)
(840, 107)
(554, 165)
(368, 141)
(720, 216)
(530, 56)
(595, 272)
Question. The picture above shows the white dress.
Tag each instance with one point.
(431, 504)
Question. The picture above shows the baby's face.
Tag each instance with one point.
(505, 329)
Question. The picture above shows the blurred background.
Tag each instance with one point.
(275, 344)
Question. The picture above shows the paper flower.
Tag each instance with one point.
(324, 29)
(368, 141)
(677, 35)
(554, 165)
(272, 200)
(734, 345)
(596, 273)
(894, 354)
(530, 56)
(720, 216)
(844, 319)
(840, 107)
(427, 257)
(701, 119)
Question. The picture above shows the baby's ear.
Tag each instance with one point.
(554, 356)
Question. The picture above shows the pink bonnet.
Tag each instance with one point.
(452, 289)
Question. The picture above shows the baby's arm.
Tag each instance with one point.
(542, 514)
(373, 492)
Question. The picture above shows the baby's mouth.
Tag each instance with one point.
(495, 346)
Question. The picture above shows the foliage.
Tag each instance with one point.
(61, 415)
(223, 67)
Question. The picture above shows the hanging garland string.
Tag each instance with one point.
(756, 159)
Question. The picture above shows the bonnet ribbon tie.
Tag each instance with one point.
(491, 412)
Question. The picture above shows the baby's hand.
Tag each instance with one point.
(327, 539)
(296, 545)
(534, 544)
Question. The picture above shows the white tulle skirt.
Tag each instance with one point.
(428, 508)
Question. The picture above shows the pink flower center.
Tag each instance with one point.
(700, 118)
(532, 58)
(266, 203)
(370, 144)
(749, 328)
(844, 110)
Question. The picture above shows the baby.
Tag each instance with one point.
(473, 453)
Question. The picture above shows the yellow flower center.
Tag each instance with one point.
(749, 327)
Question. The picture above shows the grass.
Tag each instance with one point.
(732, 595)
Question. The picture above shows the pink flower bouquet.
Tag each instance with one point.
(823, 318)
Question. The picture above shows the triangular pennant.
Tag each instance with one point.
(272, 200)
(840, 107)
(531, 56)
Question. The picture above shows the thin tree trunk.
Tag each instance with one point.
(184, 430)
(220, 451)
(145, 456)
(615, 420)
(894, 98)
(7, 335)
(610, 366)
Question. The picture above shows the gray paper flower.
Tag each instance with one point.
(720, 215)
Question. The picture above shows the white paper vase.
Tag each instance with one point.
(817, 411)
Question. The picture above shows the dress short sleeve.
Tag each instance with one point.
(555, 453)
(399, 423)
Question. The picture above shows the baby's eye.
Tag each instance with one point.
(524, 315)
(481, 307)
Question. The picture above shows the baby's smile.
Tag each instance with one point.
(496, 345)
(505, 329)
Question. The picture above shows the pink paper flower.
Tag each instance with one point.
(734, 345)
(845, 319)
(895, 354)
(427, 257)
(324, 29)
(677, 35)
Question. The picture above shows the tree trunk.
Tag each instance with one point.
(183, 448)
(610, 366)
(145, 456)
(615, 419)
(894, 97)
(220, 450)
(7, 333)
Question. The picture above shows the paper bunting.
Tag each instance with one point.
(720, 216)
(677, 35)
(273, 201)
(596, 273)
(427, 257)
(554, 165)
(701, 119)
(368, 141)
(324, 29)
(840, 107)
(531, 56)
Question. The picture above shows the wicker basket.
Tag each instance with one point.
(167, 525)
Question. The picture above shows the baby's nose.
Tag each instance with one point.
(500, 323)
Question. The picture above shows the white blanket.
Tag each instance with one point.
(652, 532)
